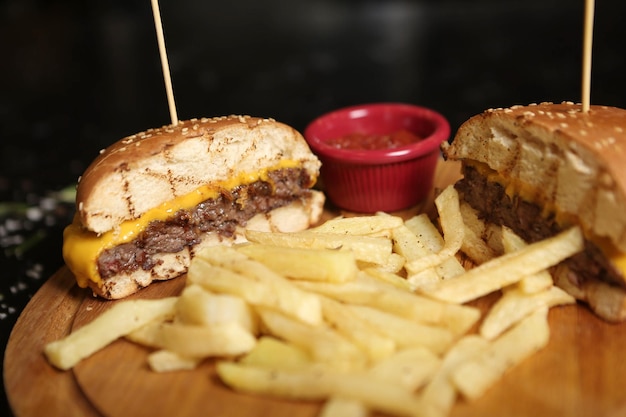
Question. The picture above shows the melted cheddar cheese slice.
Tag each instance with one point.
(81, 248)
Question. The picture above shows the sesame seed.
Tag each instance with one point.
(564, 125)
(619, 129)
(529, 114)
(102, 151)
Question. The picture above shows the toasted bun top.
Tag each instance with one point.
(145, 170)
(569, 160)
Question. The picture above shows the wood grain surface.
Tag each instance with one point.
(580, 373)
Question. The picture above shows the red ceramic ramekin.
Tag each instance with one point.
(390, 179)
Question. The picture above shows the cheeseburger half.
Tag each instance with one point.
(541, 168)
(149, 201)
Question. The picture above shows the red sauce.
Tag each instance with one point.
(365, 141)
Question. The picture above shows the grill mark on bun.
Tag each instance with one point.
(130, 206)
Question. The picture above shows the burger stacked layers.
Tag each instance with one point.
(148, 202)
(538, 169)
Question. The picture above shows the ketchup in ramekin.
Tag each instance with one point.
(369, 141)
(377, 156)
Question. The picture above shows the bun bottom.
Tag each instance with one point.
(297, 216)
(606, 301)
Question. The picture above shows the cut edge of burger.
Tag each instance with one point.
(540, 168)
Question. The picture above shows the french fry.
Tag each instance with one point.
(515, 304)
(540, 281)
(114, 323)
(431, 239)
(389, 278)
(379, 225)
(426, 231)
(508, 269)
(310, 264)
(453, 231)
(386, 297)
(511, 242)
(270, 352)
(369, 249)
(341, 317)
(147, 335)
(322, 343)
(408, 244)
(406, 333)
(266, 289)
(199, 307)
(394, 264)
(320, 384)
(167, 361)
(474, 245)
(423, 278)
(530, 335)
(410, 368)
(218, 339)
(471, 219)
(341, 407)
(440, 393)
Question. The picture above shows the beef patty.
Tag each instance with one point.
(222, 215)
(530, 222)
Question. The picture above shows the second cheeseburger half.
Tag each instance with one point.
(149, 201)
(538, 169)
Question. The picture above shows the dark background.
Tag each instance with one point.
(76, 76)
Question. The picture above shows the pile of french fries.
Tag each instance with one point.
(363, 313)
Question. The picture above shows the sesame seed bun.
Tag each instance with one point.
(571, 159)
(150, 168)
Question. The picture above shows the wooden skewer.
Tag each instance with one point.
(587, 48)
(164, 63)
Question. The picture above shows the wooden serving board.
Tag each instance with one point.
(580, 373)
